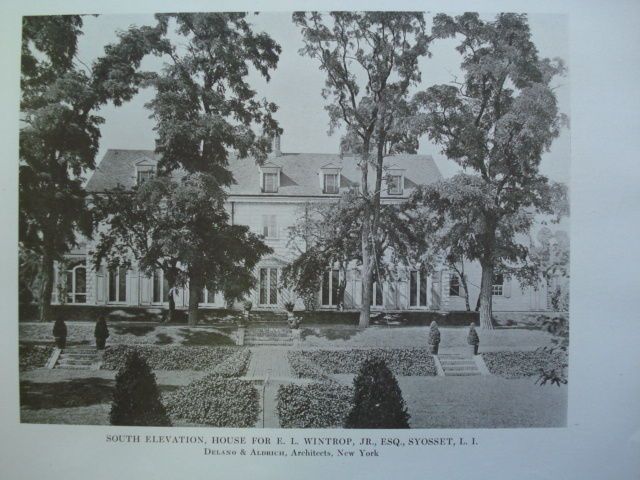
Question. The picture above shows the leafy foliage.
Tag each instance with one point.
(136, 399)
(215, 402)
(559, 328)
(472, 336)
(60, 132)
(370, 60)
(316, 405)
(168, 357)
(496, 123)
(434, 334)
(377, 401)
(101, 330)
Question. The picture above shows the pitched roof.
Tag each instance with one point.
(299, 173)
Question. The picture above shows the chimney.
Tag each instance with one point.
(276, 152)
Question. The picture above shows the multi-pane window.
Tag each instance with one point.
(269, 226)
(268, 286)
(394, 184)
(160, 287)
(417, 289)
(498, 284)
(376, 294)
(270, 182)
(330, 288)
(330, 183)
(77, 284)
(144, 175)
(117, 285)
(454, 285)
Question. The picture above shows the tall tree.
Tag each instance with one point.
(179, 227)
(371, 61)
(204, 108)
(496, 124)
(59, 132)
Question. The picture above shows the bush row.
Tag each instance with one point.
(523, 364)
(401, 361)
(33, 356)
(234, 365)
(168, 357)
(317, 405)
(303, 368)
(216, 402)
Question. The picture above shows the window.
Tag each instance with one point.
(268, 286)
(498, 283)
(417, 289)
(330, 183)
(454, 285)
(144, 175)
(77, 284)
(269, 226)
(118, 285)
(394, 184)
(270, 182)
(376, 294)
(330, 288)
(160, 287)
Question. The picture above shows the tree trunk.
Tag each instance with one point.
(171, 280)
(484, 299)
(194, 298)
(47, 287)
(466, 292)
(367, 275)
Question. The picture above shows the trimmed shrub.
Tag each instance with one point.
(234, 365)
(401, 361)
(303, 368)
(434, 334)
(317, 405)
(33, 356)
(377, 400)
(168, 357)
(136, 399)
(472, 336)
(524, 364)
(101, 330)
(216, 402)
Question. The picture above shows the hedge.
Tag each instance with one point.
(303, 368)
(317, 405)
(523, 364)
(215, 401)
(168, 357)
(234, 365)
(33, 356)
(401, 361)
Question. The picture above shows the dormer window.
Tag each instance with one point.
(144, 175)
(330, 183)
(270, 182)
(394, 185)
(269, 177)
(329, 176)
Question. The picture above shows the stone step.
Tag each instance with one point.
(84, 351)
(461, 374)
(77, 355)
(267, 343)
(76, 361)
(74, 367)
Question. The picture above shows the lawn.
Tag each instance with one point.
(133, 333)
(344, 336)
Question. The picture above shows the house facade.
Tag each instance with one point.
(269, 198)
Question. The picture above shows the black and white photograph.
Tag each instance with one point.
(337, 220)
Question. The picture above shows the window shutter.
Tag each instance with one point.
(273, 226)
(100, 286)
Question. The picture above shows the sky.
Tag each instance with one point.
(296, 87)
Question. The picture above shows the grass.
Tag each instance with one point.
(204, 338)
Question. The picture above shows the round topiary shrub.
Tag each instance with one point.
(377, 400)
(136, 399)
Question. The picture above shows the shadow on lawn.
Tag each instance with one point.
(137, 330)
(79, 392)
(203, 337)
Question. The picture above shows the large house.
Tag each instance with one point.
(268, 198)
